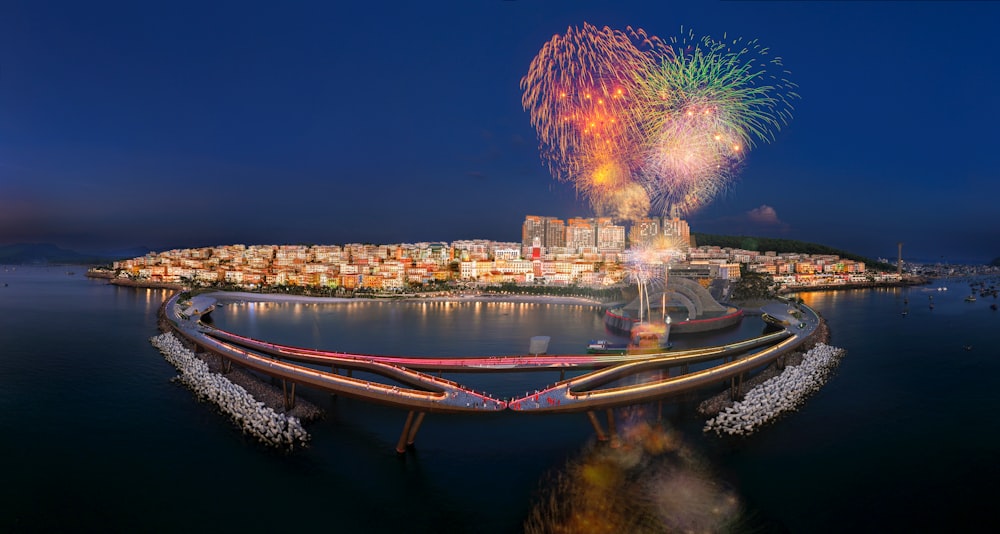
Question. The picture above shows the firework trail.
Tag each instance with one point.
(640, 125)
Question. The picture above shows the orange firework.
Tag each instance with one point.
(579, 92)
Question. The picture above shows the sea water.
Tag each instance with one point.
(94, 435)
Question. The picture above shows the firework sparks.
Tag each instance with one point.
(619, 109)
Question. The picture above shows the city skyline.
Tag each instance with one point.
(182, 126)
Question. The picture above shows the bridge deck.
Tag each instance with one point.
(435, 394)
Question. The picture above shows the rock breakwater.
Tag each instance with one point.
(254, 417)
(777, 395)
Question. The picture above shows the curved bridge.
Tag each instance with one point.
(422, 392)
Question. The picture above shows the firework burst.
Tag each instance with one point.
(579, 90)
(703, 109)
(619, 109)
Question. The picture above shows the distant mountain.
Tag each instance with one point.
(42, 253)
(763, 244)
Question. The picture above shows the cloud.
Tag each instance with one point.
(764, 215)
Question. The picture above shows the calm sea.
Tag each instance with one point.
(94, 436)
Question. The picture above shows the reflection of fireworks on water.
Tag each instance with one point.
(651, 483)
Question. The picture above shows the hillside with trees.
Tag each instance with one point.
(763, 244)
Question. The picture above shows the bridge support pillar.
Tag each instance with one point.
(612, 431)
(289, 395)
(601, 436)
(334, 370)
(412, 437)
(736, 387)
(401, 444)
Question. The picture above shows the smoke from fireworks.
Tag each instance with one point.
(619, 110)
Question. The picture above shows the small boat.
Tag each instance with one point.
(645, 345)
(603, 346)
(993, 306)
(968, 347)
(970, 298)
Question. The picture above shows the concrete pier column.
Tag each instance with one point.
(289, 395)
(401, 444)
(612, 431)
(601, 436)
(413, 431)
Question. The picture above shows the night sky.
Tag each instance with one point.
(177, 124)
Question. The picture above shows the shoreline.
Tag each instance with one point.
(228, 296)
(860, 285)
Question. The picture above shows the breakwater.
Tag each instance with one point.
(777, 395)
(254, 417)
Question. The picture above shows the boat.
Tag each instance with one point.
(993, 306)
(603, 346)
(970, 298)
(646, 339)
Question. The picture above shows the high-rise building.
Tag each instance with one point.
(610, 236)
(532, 229)
(661, 231)
(644, 231)
(555, 233)
(550, 232)
(580, 234)
(678, 229)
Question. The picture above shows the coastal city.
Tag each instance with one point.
(586, 252)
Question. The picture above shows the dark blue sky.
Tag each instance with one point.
(170, 124)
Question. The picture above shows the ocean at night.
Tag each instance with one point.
(98, 438)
